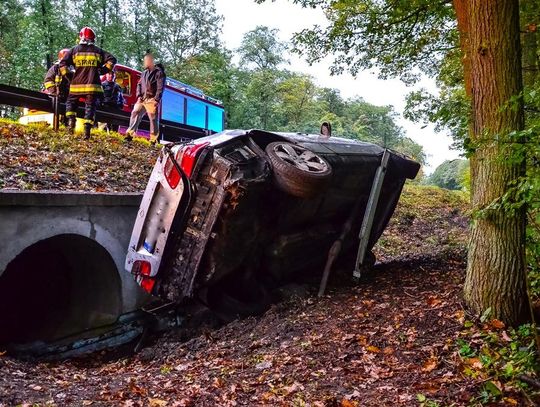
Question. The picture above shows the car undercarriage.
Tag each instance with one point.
(260, 207)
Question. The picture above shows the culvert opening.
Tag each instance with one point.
(57, 287)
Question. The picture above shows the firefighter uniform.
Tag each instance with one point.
(56, 84)
(89, 62)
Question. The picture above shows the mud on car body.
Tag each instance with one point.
(239, 211)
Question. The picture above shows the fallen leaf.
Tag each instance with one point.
(505, 337)
(433, 301)
(430, 364)
(460, 316)
(263, 365)
(218, 382)
(293, 388)
(156, 402)
(474, 362)
(495, 323)
(181, 367)
(373, 349)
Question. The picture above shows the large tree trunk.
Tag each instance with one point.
(496, 277)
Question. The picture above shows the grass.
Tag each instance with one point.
(36, 157)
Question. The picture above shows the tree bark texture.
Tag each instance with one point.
(496, 276)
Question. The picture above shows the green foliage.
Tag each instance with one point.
(32, 32)
(419, 200)
(185, 28)
(497, 357)
(425, 402)
(398, 36)
(450, 174)
(261, 49)
(212, 71)
(258, 92)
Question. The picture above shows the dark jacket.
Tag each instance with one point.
(50, 85)
(89, 61)
(112, 94)
(151, 83)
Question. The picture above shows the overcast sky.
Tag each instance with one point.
(241, 16)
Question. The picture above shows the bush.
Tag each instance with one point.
(450, 174)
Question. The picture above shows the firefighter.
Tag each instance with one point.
(90, 61)
(54, 83)
(112, 92)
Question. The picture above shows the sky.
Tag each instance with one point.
(241, 16)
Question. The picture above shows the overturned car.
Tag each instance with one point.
(228, 216)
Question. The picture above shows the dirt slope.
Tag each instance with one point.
(379, 343)
(376, 344)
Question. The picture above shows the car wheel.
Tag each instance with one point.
(297, 170)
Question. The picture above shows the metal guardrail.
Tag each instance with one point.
(13, 96)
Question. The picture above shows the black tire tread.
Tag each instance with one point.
(295, 181)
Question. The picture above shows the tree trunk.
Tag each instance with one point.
(104, 6)
(45, 16)
(496, 276)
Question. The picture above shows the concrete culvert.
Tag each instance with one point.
(58, 287)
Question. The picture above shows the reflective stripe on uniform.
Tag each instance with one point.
(49, 84)
(85, 88)
(71, 114)
(88, 121)
(63, 70)
(109, 66)
(82, 59)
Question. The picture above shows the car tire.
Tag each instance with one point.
(297, 170)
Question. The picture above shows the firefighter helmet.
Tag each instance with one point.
(62, 53)
(87, 34)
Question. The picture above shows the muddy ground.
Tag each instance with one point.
(381, 342)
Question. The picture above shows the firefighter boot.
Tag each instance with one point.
(71, 122)
(87, 128)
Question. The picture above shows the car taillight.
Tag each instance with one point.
(147, 284)
(142, 268)
(171, 173)
(189, 157)
(186, 157)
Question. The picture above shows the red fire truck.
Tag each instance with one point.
(182, 104)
